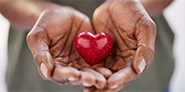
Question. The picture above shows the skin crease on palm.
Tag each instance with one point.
(51, 42)
(133, 33)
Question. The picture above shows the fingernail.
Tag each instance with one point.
(113, 87)
(86, 84)
(142, 65)
(44, 69)
(72, 79)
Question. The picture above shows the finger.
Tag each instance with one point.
(87, 79)
(120, 63)
(110, 62)
(60, 83)
(100, 64)
(89, 89)
(42, 74)
(145, 34)
(119, 88)
(44, 63)
(73, 56)
(100, 79)
(104, 71)
(38, 42)
(74, 83)
(93, 89)
(110, 90)
(75, 65)
(142, 59)
(122, 76)
(83, 63)
(64, 74)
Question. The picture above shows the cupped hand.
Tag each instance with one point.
(51, 43)
(133, 33)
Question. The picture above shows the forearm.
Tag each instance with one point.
(155, 7)
(24, 13)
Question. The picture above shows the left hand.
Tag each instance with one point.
(51, 43)
(133, 33)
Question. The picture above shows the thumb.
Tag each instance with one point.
(145, 35)
(38, 42)
(143, 59)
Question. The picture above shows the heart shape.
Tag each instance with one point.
(93, 48)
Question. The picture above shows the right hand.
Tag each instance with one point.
(133, 33)
(51, 43)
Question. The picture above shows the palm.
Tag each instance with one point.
(62, 32)
(130, 27)
(51, 42)
(122, 28)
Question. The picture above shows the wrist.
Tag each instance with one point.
(24, 18)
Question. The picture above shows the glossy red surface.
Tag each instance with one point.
(93, 48)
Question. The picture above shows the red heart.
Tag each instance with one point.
(93, 48)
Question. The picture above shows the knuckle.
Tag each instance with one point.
(70, 7)
(148, 47)
(37, 36)
(148, 25)
(47, 11)
(153, 26)
(35, 33)
(28, 37)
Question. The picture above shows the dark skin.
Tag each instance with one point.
(57, 53)
(132, 30)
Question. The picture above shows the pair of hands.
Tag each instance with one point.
(51, 42)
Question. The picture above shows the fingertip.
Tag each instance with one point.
(104, 71)
(44, 70)
(139, 62)
(115, 80)
(146, 50)
(45, 63)
(100, 79)
(74, 83)
(110, 62)
(41, 74)
(142, 66)
(89, 89)
(85, 84)
(122, 76)
(67, 73)
(120, 87)
(114, 86)
(72, 79)
(138, 56)
(87, 79)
